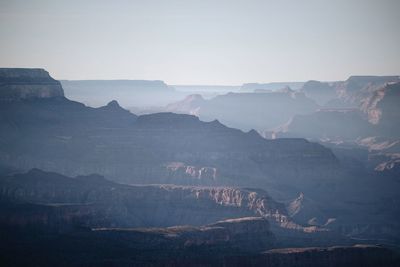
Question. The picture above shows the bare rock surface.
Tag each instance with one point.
(17, 84)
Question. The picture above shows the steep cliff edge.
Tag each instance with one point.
(16, 84)
(70, 138)
(321, 92)
(96, 202)
(383, 109)
(349, 93)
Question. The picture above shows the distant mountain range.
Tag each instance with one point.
(246, 111)
(140, 93)
(362, 112)
(251, 87)
(353, 112)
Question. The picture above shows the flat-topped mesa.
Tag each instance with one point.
(20, 83)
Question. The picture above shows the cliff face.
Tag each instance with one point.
(67, 137)
(321, 92)
(190, 105)
(383, 110)
(18, 84)
(372, 123)
(96, 202)
(91, 209)
(349, 93)
(57, 134)
(357, 88)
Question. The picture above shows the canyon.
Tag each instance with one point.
(180, 184)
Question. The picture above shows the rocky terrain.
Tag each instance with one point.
(174, 176)
(362, 113)
(349, 93)
(126, 225)
(374, 98)
(27, 83)
(92, 201)
(134, 205)
(262, 110)
(57, 134)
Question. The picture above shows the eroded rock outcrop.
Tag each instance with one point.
(321, 92)
(246, 111)
(16, 84)
(72, 139)
(96, 202)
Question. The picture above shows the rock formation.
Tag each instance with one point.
(102, 203)
(246, 111)
(67, 137)
(17, 84)
(321, 92)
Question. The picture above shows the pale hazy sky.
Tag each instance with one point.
(202, 42)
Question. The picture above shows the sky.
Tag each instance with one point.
(202, 42)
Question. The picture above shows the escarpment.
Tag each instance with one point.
(97, 202)
(17, 84)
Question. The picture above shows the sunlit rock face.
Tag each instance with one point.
(357, 88)
(53, 201)
(383, 109)
(102, 203)
(18, 84)
(350, 93)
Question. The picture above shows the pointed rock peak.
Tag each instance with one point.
(113, 104)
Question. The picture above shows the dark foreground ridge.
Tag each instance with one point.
(90, 221)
